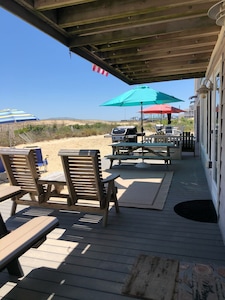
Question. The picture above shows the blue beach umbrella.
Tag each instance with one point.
(139, 96)
(15, 115)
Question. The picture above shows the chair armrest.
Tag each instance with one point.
(9, 192)
(110, 178)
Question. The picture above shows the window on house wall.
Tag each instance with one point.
(209, 129)
(216, 126)
(208, 124)
(205, 114)
(198, 124)
(203, 120)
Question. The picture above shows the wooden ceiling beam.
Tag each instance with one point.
(181, 76)
(164, 54)
(163, 67)
(140, 43)
(142, 32)
(54, 4)
(163, 72)
(108, 10)
(169, 45)
(141, 68)
(104, 27)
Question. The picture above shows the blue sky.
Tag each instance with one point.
(38, 75)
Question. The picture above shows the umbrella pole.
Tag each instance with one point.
(142, 164)
(142, 128)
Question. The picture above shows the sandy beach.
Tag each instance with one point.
(51, 148)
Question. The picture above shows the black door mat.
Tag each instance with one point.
(197, 210)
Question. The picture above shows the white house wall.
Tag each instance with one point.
(216, 63)
(222, 171)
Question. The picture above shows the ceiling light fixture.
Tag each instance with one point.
(217, 12)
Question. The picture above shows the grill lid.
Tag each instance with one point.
(124, 130)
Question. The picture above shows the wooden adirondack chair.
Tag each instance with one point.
(84, 180)
(22, 171)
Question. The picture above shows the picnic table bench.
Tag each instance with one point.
(120, 157)
(175, 140)
(130, 150)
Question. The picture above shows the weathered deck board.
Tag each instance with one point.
(152, 278)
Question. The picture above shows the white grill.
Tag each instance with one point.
(124, 133)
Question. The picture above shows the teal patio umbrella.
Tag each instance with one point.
(139, 96)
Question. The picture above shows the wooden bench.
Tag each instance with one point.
(15, 243)
(120, 157)
(175, 140)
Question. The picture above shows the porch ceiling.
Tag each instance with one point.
(136, 41)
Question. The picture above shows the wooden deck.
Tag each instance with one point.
(82, 260)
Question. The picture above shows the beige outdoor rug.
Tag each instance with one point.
(143, 188)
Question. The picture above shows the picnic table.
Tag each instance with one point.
(132, 150)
